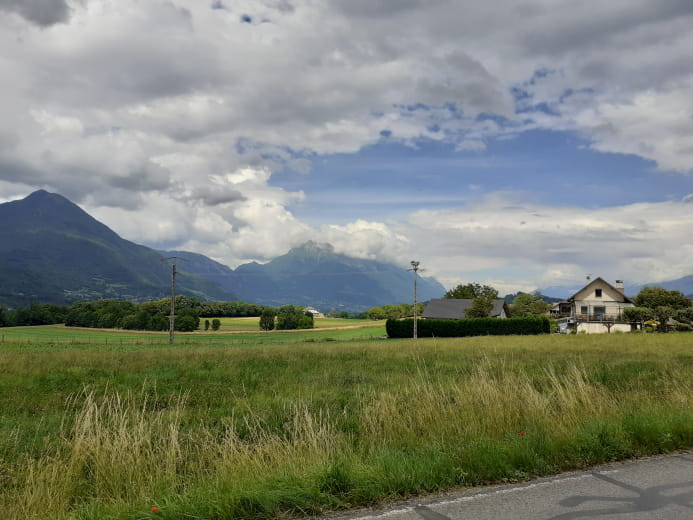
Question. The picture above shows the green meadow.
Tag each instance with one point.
(233, 331)
(234, 424)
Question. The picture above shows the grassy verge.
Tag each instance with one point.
(275, 430)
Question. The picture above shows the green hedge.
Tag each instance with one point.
(468, 327)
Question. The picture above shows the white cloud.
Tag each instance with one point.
(538, 245)
(371, 240)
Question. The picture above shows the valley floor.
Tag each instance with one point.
(260, 425)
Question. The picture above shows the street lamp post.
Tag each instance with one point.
(171, 322)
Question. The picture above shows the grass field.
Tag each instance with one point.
(252, 324)
(308, 424)
(233, 331)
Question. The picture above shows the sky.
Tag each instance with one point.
(522, 144)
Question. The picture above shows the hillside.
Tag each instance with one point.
(52, 251)
(313, 274)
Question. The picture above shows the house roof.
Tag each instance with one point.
(600, 279)
(456, 308)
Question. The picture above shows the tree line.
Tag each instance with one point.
(661, 310)
(151, 316)
(482, 296)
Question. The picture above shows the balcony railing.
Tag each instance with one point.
(599, 317)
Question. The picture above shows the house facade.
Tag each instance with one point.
(597, 308)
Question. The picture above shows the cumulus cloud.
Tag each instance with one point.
(515, 245)
(364, 239)
(521, 245)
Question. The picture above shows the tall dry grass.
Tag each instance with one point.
(119, 456)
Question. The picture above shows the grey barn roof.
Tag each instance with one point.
(455, 309)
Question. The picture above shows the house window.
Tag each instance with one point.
(599, 313)
(584, 309)
(598, 293)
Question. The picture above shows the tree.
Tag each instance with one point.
(684, 315)
(187, 323)
(472, 290)
(306, 321)
(529, 305)
(216, 324)
(290, 317)
(653, 297)
(267, 319)
(481, 308)
(206, 325)
(377, 313)
(639, 314)
(663, 314)
(663, 304)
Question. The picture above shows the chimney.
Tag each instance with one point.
(619, 286)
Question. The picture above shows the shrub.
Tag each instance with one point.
(187, 323)
(267, 319)
(290, 317)
(469, 327)
(216, 324)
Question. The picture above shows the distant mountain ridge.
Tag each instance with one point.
(313, 274)
(51, 251)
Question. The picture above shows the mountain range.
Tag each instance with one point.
(51, 251)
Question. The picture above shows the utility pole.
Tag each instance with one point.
(415, 268)
(172, 317)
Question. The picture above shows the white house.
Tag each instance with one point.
(598, 308)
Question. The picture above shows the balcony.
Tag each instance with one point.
(600, 317)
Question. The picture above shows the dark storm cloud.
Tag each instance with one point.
(157, 56)
(216, 195)
(284, 6)
(371, 9)
(577, 32)
(14, 170)
(40, 12)
(148, 177)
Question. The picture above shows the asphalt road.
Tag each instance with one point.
(658, 488)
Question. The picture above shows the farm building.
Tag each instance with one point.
(456, 308)
(315, 312)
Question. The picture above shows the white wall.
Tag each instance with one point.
(593, 327)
